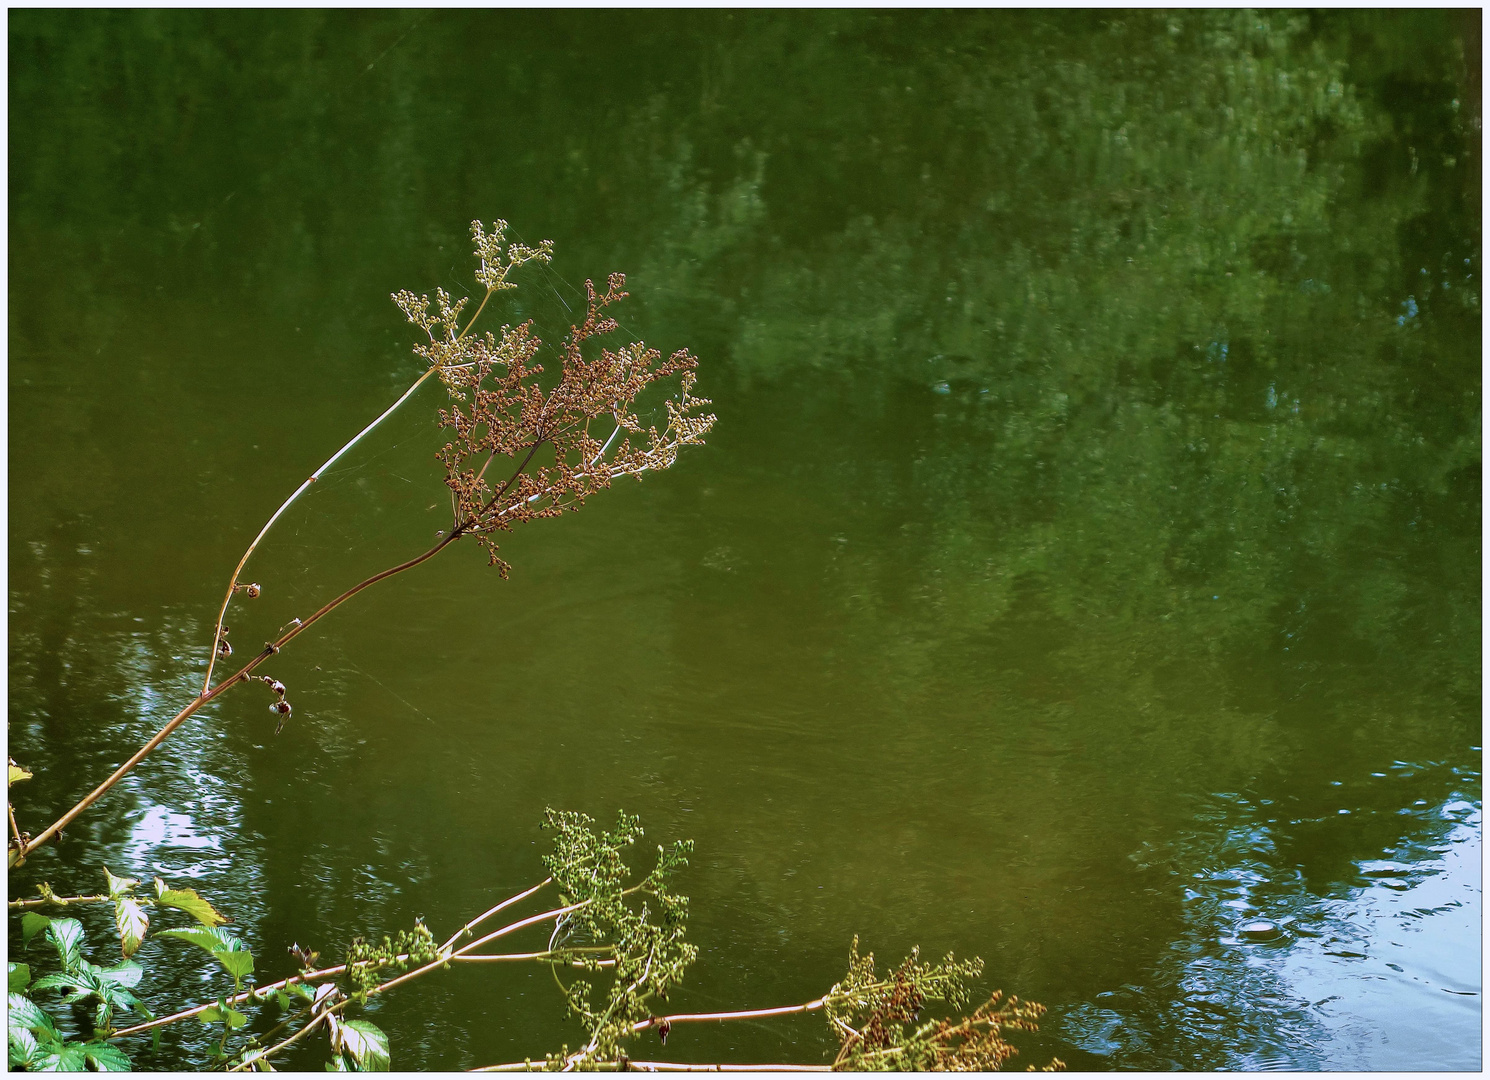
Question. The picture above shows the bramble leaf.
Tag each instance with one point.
(31, 925)
(202, 937)
(23, 1047)
(132, 922)
(66, 935)
(26, 1015)
(239, 962)
(17, 774)
(118, 886)
(60, 1057)
(126, 973)
(188, 901)
(106, 1058)
(365, 1042)
(18, 977)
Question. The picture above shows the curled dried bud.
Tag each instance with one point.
(281, 707)
(277, 686)
(223, 648)
(663, 1030)
(253, 590)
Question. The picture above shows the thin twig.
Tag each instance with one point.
(14, 828)
(233, 582)
(63, 901)
(479, 919)
(247, 995)
(657, 1066)
(739, 1014)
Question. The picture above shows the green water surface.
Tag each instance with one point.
(1086, 561)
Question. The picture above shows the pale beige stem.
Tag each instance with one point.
(233, 582)
(479, 919)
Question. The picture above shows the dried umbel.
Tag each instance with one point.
(546, 443)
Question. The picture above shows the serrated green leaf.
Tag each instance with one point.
(25, 1014)
(125, 973)
(202, 937)
(282, 1000)
(66, 936)
(17, 774)
(235, 1018)
(18, 977)
(188, 901)
(239, 962)
(210, 1015)
(63, 980)
(118, 886)
(60, 1057)
(367, 1044)
(132, 922)
(301, 991)
(23, 1047)
(31, 925)
(336, 1064)
(106, 1058)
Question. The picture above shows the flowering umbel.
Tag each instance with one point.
(551, 448)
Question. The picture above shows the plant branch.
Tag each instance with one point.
(478, 920)
(233, 581)
(739, 1014)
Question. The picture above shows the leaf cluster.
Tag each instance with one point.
(644, 942)
(878, 1019)
(549, 438)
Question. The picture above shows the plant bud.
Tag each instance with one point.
(253, 591)
(277, 686)
(280, 707)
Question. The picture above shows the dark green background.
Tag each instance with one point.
(1087, 557)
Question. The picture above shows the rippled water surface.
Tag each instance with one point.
(1084, 572)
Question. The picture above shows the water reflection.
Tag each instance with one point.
(1085, 568)
(1286, 976)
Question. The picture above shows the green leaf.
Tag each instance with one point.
(66, 935)
(337, 1064)
(132, 922)
(17, 774)
(118, 886)
(60, 1057)
(23, 1047)
(125, 973)
(301, 991)
(366, 1043)
(31, 925)
(19, 977)
(239, 962)
(188, 901)
(282, 1000)
(216, 1014)
(106, 1058)
(202, 937)
(26, 1015)
(63, 980)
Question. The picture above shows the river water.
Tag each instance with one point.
(1085, 565)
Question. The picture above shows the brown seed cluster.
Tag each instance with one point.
(519, 451)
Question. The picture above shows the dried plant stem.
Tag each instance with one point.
(478, 920)
(549, 954)
(247, 995)
(658, 1066)
(233, 582)
(15, 830)
(247, 1063)
(63, 901)
(739, 1014)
